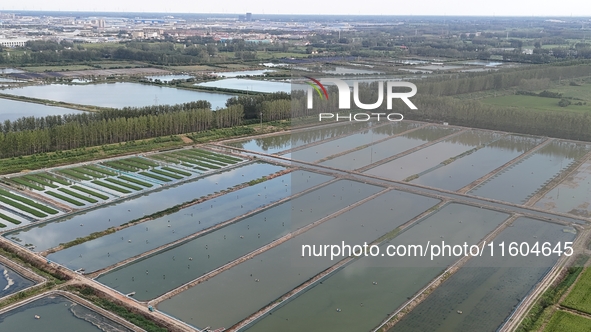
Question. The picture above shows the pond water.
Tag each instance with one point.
(118, 95)
(487, 289)
(215, 249)
(231, 74)
(12, 110)
(572, 195)
(431, 156)
(369, 289)
(235, 293)
(248, 85)
(57, 314)
(10, 71)
(388, 148)
(12, 282)
(518, 182)
(49, 235)
(169, 78)
(467, 169)
(349, 142)
(126, 243)
(278, 143)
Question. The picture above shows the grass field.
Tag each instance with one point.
(580, 296)
(566, 322)
(536, 103)
(37, 69)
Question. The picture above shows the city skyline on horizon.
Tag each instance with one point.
(530, 8)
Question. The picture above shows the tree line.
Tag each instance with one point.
(109, 130)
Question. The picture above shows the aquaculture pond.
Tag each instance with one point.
(169, 78)
(57, 314)
(431, 156)
(45, 236)
(361, 295)
(277, 143)
(467, 169)
(343, 144)
(118, 95)
(248, 85)
(243, 289)
(388, 148)
(572, 195)
(12, 110)
(518, 182)
(215, 249)
(244, 73)
(12, 282)
(129, 242)
(487, 289)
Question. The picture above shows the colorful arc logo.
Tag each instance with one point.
(320, 89)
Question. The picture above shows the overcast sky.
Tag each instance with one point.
(370, 7)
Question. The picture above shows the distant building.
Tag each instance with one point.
(10, 42)
(249, 16)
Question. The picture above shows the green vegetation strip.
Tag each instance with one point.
(74, 174)
(207, 158)
(77, 195)
(22, 207)
(40, 181)
(68, 157)
(64, 198)
(90, 237)
(163, 158)
(154, 176)
(174, 170)
(88, 172)
(106, 185)
(119, 166)
(2, 225)
(100, 170)
(90, 192)
(26, 183)
(544, 306)
(200, 168)
(9, 219)
(181, 158)
(136, 181)
(170, 175)
(28, 202)
(123, 184)
(565, 321)
(216, 156)
(53, 179)
(133, 164)
(143, 161)
(579, 297)
(134, 318)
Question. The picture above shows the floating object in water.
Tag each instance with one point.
(375, 283)
(81, 224)
(338, 309)
(190, 258)
(459, 312)
(37, 317)
(256, 280)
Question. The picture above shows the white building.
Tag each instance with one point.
(13, 42)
